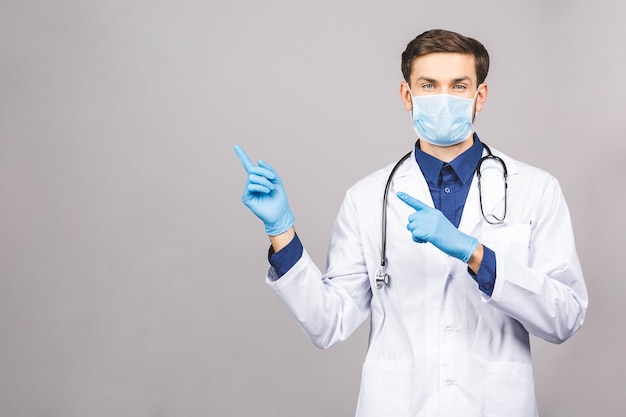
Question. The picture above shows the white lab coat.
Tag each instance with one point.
(438, 345)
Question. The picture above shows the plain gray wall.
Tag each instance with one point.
(132, 277)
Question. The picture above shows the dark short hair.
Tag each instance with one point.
(438, 40)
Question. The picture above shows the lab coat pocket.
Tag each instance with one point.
(385, 389)
(511, 240)
(510, 390)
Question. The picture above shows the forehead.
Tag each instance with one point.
(443, 66)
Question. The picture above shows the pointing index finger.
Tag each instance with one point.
(411, 201)
(244, 158)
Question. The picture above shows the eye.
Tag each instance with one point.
(459, 87)
(428, 86)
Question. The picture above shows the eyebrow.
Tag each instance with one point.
(454, 81)
(428, 80)
(462, 79)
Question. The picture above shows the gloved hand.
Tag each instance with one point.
(428, 224)
(265, 195)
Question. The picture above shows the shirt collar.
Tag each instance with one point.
(464, 165)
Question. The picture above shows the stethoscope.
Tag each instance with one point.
(382, 278)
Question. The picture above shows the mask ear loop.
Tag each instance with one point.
(412, 99)
(473, 109)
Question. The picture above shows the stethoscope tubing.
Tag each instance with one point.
(381, 276)
(383, 249)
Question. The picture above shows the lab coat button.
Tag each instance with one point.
(448, 329)
(447, 190)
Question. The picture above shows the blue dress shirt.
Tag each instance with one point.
(449, 184)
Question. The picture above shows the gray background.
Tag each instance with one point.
(131, 276)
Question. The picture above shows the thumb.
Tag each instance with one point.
(411, 201)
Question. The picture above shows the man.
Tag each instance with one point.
(471, 267)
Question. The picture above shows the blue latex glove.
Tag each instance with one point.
(265, 195)
(428, 224)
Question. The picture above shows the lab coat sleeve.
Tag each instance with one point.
(546, 293)
(328, 307)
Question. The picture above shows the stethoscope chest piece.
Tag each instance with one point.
(382, 278)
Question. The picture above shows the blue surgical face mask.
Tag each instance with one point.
(443, 119)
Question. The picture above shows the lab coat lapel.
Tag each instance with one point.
(409, 179)
(471, 211)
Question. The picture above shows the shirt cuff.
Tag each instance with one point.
(486, 275)
(284, 259)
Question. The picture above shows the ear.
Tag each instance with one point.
(405, 95)
(481, 96)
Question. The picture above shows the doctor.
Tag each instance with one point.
(473, 272)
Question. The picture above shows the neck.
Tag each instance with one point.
(446, 153)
